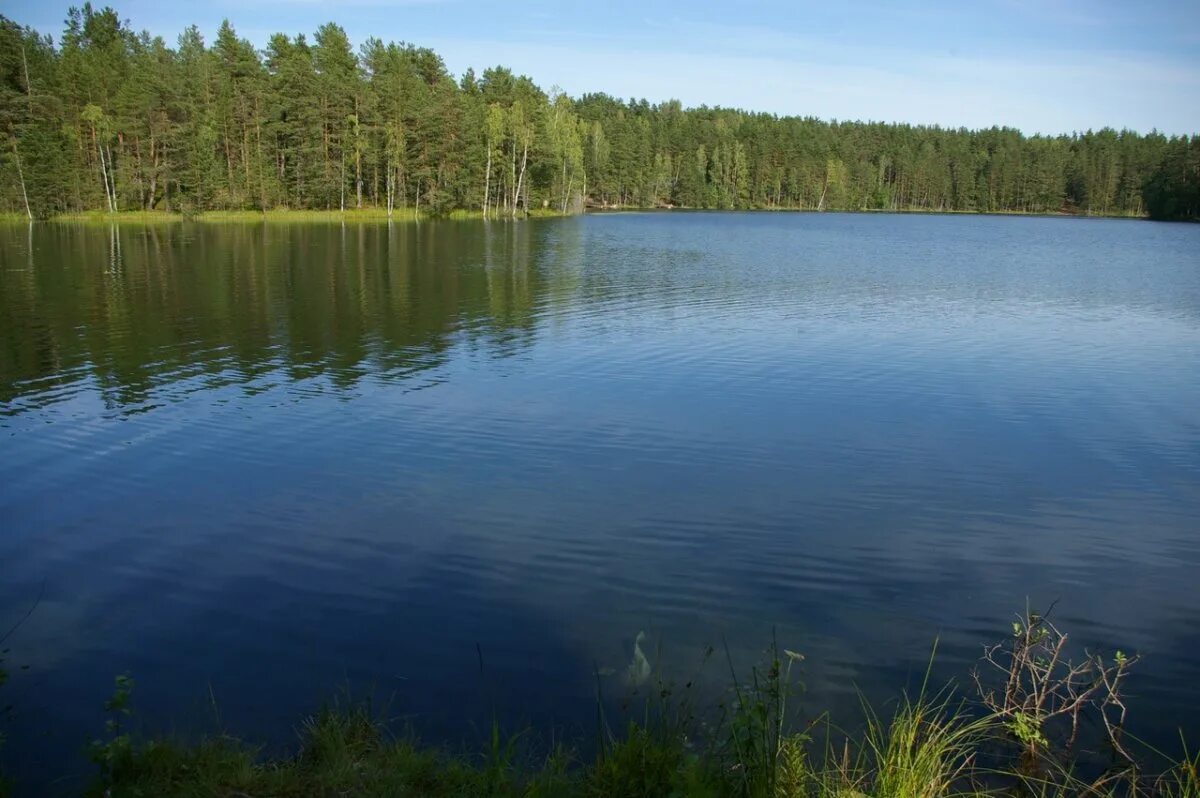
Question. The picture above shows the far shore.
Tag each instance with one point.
(412, 215)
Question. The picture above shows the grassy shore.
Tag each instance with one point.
(913, 210)
(1008, 740)
(374, 215)
(919, 754)
(281, 215)
(928, 747)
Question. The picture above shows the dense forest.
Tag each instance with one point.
(110, 119)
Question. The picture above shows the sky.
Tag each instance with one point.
(1043, 66)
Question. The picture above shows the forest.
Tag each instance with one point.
(109, 119)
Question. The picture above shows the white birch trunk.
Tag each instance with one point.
(487, 180)
(520, 181)
(21, 176)
(103, 171)
(112, 179)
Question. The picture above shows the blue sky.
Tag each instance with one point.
(1040, 65)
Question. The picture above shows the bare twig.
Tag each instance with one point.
(1041, 684)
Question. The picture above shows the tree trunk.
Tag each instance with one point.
(487, 179)
(103, 170)
(21, 174)
(358, 182)
(564, 184)
(246, 156)
(154, 163)
(390, 180)
(228, 153)
(112, 178)
(520, 181)
(28, 85)
(512, 182)
(262, 187)
(141, 170)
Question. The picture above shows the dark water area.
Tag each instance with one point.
(252, 464)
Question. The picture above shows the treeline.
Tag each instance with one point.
(111, 119)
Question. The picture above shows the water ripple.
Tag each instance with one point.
(362, 451)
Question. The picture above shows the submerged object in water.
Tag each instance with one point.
(639, 668)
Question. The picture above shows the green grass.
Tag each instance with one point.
(408, 214)
(279, 215)
(933, 745)
(925, 749)
(534, 213)
(288, 215)
(902, 210)
(103, 217)
(234, 217)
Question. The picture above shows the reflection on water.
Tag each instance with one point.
(273, 459)
(149, 315)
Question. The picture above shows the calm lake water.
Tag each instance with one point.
(269, 461)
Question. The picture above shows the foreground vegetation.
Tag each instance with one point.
(110, 119)
(1019, 736)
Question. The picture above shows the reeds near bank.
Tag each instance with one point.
(750, 744)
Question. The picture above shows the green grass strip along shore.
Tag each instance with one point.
(1013, 733)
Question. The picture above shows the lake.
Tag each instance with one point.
(253, 464)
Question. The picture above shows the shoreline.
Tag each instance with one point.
(879, 211)
(260, 217)
(408, 215)
(756, 742)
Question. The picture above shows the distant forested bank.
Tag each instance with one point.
(105, 118)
